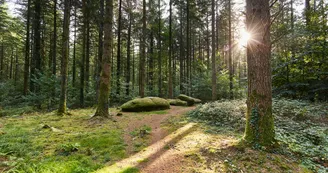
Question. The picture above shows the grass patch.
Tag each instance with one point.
(141, 137)
(131, 170)
(81, 145)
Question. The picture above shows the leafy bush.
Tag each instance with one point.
(222, 113)
(299, 110)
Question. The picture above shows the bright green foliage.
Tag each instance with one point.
(177, 102)
(145, 104)
(300, 49)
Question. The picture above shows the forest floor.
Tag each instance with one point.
(159, 141)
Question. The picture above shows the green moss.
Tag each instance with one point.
(145, 104)
(131, 170)
(177, 102)
(259, 123)
(190, 100)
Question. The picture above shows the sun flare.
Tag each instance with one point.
(244, 38)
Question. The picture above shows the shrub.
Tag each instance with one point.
(221, 113)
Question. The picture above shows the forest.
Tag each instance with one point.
(169, 86)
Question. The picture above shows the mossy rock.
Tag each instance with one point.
(145, 104)
(190, 100)
(197, 101)
(177, 102)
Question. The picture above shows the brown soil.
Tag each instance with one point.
(134, 121)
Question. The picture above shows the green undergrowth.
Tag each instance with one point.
(47, 143)
(301, 127)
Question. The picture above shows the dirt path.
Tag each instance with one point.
(132, 122)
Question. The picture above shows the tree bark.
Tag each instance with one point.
(213, 53)
(37, 45)
(27, 49)
(230, 54)
(160, 94)
(260, 121)
(143, 52)
(100, 45)
(128, 51)
(181, 58)
(64, 60)
(118, 70)
(74, 49)
(54, 49)
(82, 62)
(103, 100)
(170, 53)
(188, 47)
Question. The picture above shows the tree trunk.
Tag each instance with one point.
(27, 49)
(102, 108)
(16, 68)
(188, 48)
(100, 46)
(151, 52)
(181, 53)
(128, 51)
(143, 52)
(82, 63)
(213, 53)
(118, 70)
(37, 44)
(160, 94)
(64, 60)
(207, 43)
(74, 49)
(54, 49)
(230, 54)
(87, 52)
(11, 64)
(307, 13)
(260, 121)
(170, 54)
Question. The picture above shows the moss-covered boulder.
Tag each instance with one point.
(197, 101)
(190, 100)
(177, 102)
(145, 104)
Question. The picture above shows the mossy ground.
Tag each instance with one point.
(79, 143)
(220, 151)
(29, 147)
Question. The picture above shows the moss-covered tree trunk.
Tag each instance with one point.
(260, 121)
(102, 108)
(64, 60)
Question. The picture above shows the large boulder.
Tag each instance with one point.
(177, 102)
(145, 104)
(190, 100)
